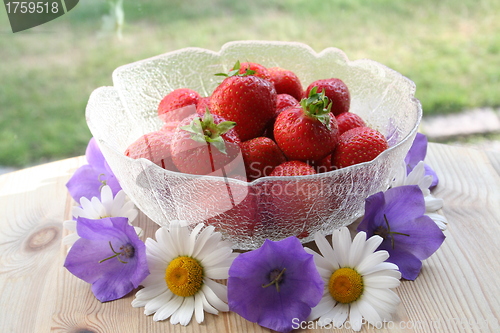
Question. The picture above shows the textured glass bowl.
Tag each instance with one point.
(269, 207)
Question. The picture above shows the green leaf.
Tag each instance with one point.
(318, 106)
(225, 126)
(207, 131)
(218, 143)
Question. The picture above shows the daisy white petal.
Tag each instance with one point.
(185, 312)
(369, 313)
(199, 314)
(433, 204)
(107, 198)
(355, 317)
(183, 263)
(439, 219)
(103, 207)
(359, 287)
(383, 281)
(325, 249)
(342, 240)
(206, 306)
(214, 300)
(340, 314)
(321, 262)
(382, 266)
(167, 309)
(358, 244)
(325, 305)
(371, 260)
(156, 303)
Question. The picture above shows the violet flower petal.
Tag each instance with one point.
(300, 290)
(425, 237)
(413, 236)
(84, 183)
(110, 279)
(407, 263)
(430, 172)
(417, 153)
(88, 179)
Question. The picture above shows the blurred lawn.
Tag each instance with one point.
(451, 49)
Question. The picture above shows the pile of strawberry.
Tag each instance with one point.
(265, 114)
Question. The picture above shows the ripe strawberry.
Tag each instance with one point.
(202, 146)
(324, 165)
(307, 132)
(283, 101)
(349, 120)
(293, 168)
(358, 145)
(203, 104)
(292, 205)
(286, 82)
(242, 219)
(154, 146)
(257, 69)
(261, 156)
(336, 90)
(173, 106)
(248, 100)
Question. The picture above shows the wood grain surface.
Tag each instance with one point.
(458, 289)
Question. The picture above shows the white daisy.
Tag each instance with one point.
(183, 268)
(417, 177)
(358, 281)
(95, 209)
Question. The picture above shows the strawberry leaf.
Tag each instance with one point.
(218, 143)
(207, 131)
(317, 106)
(235, 71)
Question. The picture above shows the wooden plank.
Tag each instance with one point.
(457, 290)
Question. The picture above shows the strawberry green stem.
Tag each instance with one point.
(317, 106)
(207, 131)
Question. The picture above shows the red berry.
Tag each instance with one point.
(336, 90)
(250, 101)
(307, 132)
(154, 146)
(204, 151)
(174, 105)
(284, 101)
(259, 70)
(324, 165)
(286, 82)
(358, 145)
(203, 104)
(261, 156)
(293, 168)
(349, 120)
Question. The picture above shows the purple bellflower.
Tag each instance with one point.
(275, 284)
(397, 215)
(417, 153)
(89, 178)
(109, 255)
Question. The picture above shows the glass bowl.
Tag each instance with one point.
(269, 207)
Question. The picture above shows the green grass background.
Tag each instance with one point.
(451, 49)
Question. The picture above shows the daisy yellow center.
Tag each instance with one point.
(184, 276)
(346, 285)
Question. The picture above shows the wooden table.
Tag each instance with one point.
(458, 289)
